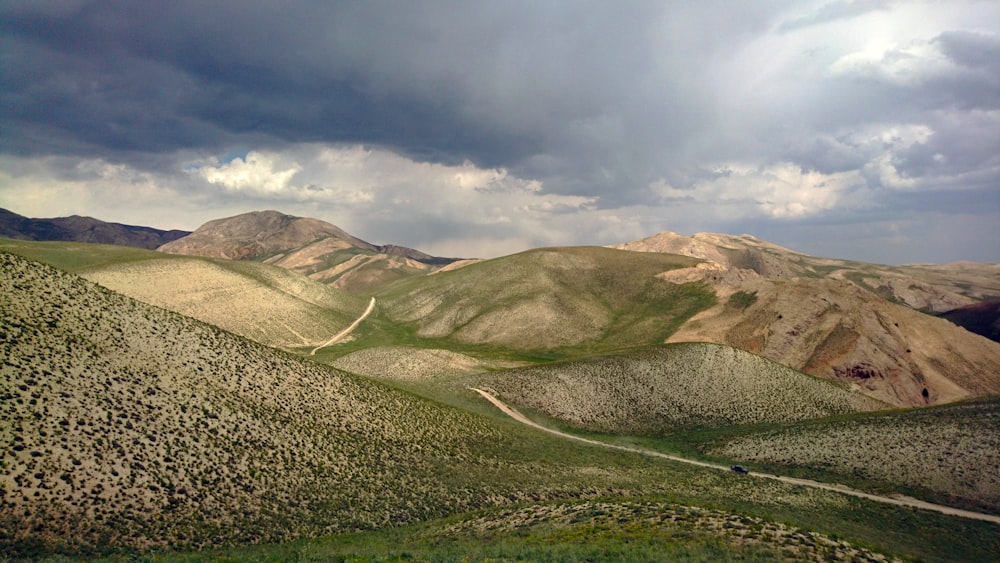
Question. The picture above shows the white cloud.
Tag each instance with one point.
(258, 173)
(779, 191)
(905, 65)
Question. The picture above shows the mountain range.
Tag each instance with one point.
(270, 377)
(84, 229)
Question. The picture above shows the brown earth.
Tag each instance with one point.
(841, 320)
(256, 234)
(310, 247)
(929, 287)
(836, 330)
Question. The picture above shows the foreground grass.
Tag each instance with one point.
(619, 530)
(649, 528)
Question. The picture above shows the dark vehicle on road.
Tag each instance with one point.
(740, 469)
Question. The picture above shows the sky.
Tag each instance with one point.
(865, 130)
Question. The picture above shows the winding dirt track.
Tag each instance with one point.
(348, 330)
(897, 500)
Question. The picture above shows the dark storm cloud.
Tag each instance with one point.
(158, 76)
(617, 104)
(495, 82)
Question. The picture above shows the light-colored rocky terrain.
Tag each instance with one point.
(928, 287)
(829, 318)
(836, 330)
(661, 389)
(311, 247)
(259, 233)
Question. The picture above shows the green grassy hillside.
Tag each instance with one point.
(662, 389)
(554, 302)
(949, 453)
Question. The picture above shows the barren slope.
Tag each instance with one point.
(256, 234)
(658, 389)
(936, 288)
(266, 304)
(836, 330)
(311, 247)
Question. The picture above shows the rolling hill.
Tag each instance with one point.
(550, 301)
(84, 229)
(830, 319)
(661, 389)
(311, 247)
(265, 303)
(127, 426)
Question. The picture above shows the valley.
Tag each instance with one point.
(273, 387)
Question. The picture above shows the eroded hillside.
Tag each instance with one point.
(836, 330)
(928, 287)
(314, 248)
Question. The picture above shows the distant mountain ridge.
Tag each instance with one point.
(315, 248)
(84, 229)
(928, 287)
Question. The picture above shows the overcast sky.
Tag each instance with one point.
(857, 129)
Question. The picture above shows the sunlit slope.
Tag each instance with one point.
(265, 303)
(564, 300)
(665, 388)
(929, 287)
(951, 450)
(314, 248)
(836, 330)
(356, 269)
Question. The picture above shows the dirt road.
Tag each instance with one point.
(348, 330)
(897, 500)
